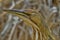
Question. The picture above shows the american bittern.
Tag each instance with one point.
(29, 20)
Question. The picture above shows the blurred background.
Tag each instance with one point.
(29, 19)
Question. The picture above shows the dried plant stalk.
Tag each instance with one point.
(30, 20)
